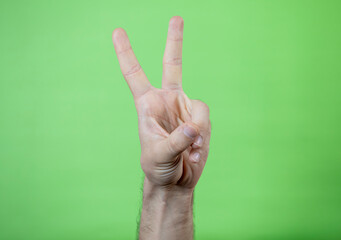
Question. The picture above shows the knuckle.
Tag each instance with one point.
(132, 70)
(172, 61)
(124, 51)
(205, 106)
(202, 105)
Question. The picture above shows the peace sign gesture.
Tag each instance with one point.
(174, 130)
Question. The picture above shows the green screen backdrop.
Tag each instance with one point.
(69, 149)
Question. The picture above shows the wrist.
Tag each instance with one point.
(167, 211)
(167, 193)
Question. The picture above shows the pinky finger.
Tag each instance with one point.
(195, 156)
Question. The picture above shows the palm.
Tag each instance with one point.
(169, 108)
(162, 111)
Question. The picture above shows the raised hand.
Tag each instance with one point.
(174, 130)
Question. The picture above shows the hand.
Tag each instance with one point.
(174, 130)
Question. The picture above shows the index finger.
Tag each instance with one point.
(172, 59)
(130, 67)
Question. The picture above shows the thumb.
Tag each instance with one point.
(181, 138)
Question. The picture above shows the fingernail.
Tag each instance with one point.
(198, 141)
(196, 157)
(190, 131)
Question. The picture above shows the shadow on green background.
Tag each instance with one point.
(69, 149)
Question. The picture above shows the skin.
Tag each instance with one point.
(174, 133)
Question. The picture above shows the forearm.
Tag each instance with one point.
(167, 213)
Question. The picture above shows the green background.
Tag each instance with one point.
(69, 150)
